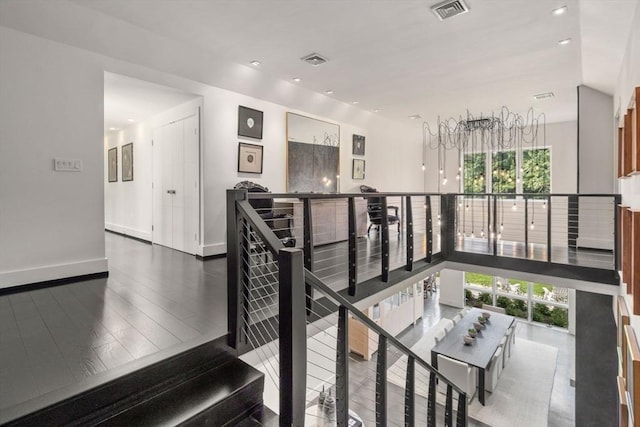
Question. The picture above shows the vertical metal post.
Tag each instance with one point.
(353, 248)
(429, 224)
(308, 248)
(342, 368)
(381, 382)
(448, 230)
(573, 222)
(617, 200)
(448, 407)
(526, 227)
(461, 418)
(489, 229)
(410, 393)
(431, 399)
(495, 225)
(292, 337)
(408, 218)
(234, 311)
(384, 239)
(549, 228)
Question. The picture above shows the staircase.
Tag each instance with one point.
(206, 385)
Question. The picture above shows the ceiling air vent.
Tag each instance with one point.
(449, 9)
(314, 59)
(546, 95)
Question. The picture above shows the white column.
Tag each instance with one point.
(452, 288)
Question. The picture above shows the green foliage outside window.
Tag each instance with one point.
(536, 177)
(474, 168)
(504, 172)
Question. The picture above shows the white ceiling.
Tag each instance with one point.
(128, 100)
(394, 54)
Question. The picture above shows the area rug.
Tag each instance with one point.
(523, 393)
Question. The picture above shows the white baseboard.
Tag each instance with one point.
(128, 231)
(52, 272)
(215, 249)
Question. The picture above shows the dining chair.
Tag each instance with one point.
(448, 325)
(493, 371)
(459, 373)
(456, 318)
(488, 307)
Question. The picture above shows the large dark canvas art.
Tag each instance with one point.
(313, 155)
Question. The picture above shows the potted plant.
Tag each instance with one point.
(472, 332)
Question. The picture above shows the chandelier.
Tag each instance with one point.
(492, 134)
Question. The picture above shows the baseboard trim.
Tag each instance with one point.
(52, 273)
(52, 283)
(208, 257)
(139, 239)
(211, 250)
(142, 236)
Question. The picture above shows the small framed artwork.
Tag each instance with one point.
(127, 162)
(249, 158)
(112, 164)
(249, 122)
(358, 145)
(358, 169)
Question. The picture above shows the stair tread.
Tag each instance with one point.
(188, 399)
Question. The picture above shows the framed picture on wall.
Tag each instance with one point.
(112, 164)
(249, 122)
(358, 169)
(249, 158)
(127, 162)
(358, 145)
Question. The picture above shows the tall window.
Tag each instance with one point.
(526, 171)
(474, 171)
(536, 176)
(503, 172)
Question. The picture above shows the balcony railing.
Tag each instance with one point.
(297, 327)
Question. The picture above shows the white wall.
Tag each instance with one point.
(52, 107)
(128, 204)
(51, 223)
(628, 79)
(595, 139)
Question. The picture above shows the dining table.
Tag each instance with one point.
(481, 350)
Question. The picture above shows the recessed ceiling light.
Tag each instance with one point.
(559, 11)
(355, 102)
(415, 116)
(377, 110)
(297, 79)
(255, 63)
(564, 42)
(545, 95)
(113, 128)
(328, 92)
(130, 120)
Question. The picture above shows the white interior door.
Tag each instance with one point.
(176, 185)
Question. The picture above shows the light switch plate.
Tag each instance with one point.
(67, 165)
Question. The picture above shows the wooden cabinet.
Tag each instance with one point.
(329, 219)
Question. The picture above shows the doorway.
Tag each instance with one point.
(176, 184)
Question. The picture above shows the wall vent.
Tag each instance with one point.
(314, 59)
(449, 9)
(546, 95)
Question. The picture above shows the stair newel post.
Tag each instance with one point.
(353, 248)
(308, 248)
(617, 200)
(342, 368)
(448, 230)
(496, 232)
(236, 238)
(381, 382)
(292, 337)
(410, 394)
(526, 225)
(408, 220)
(429, 223)
(384, 239)
(549, 228)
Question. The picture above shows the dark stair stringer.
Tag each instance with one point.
(206, 385)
